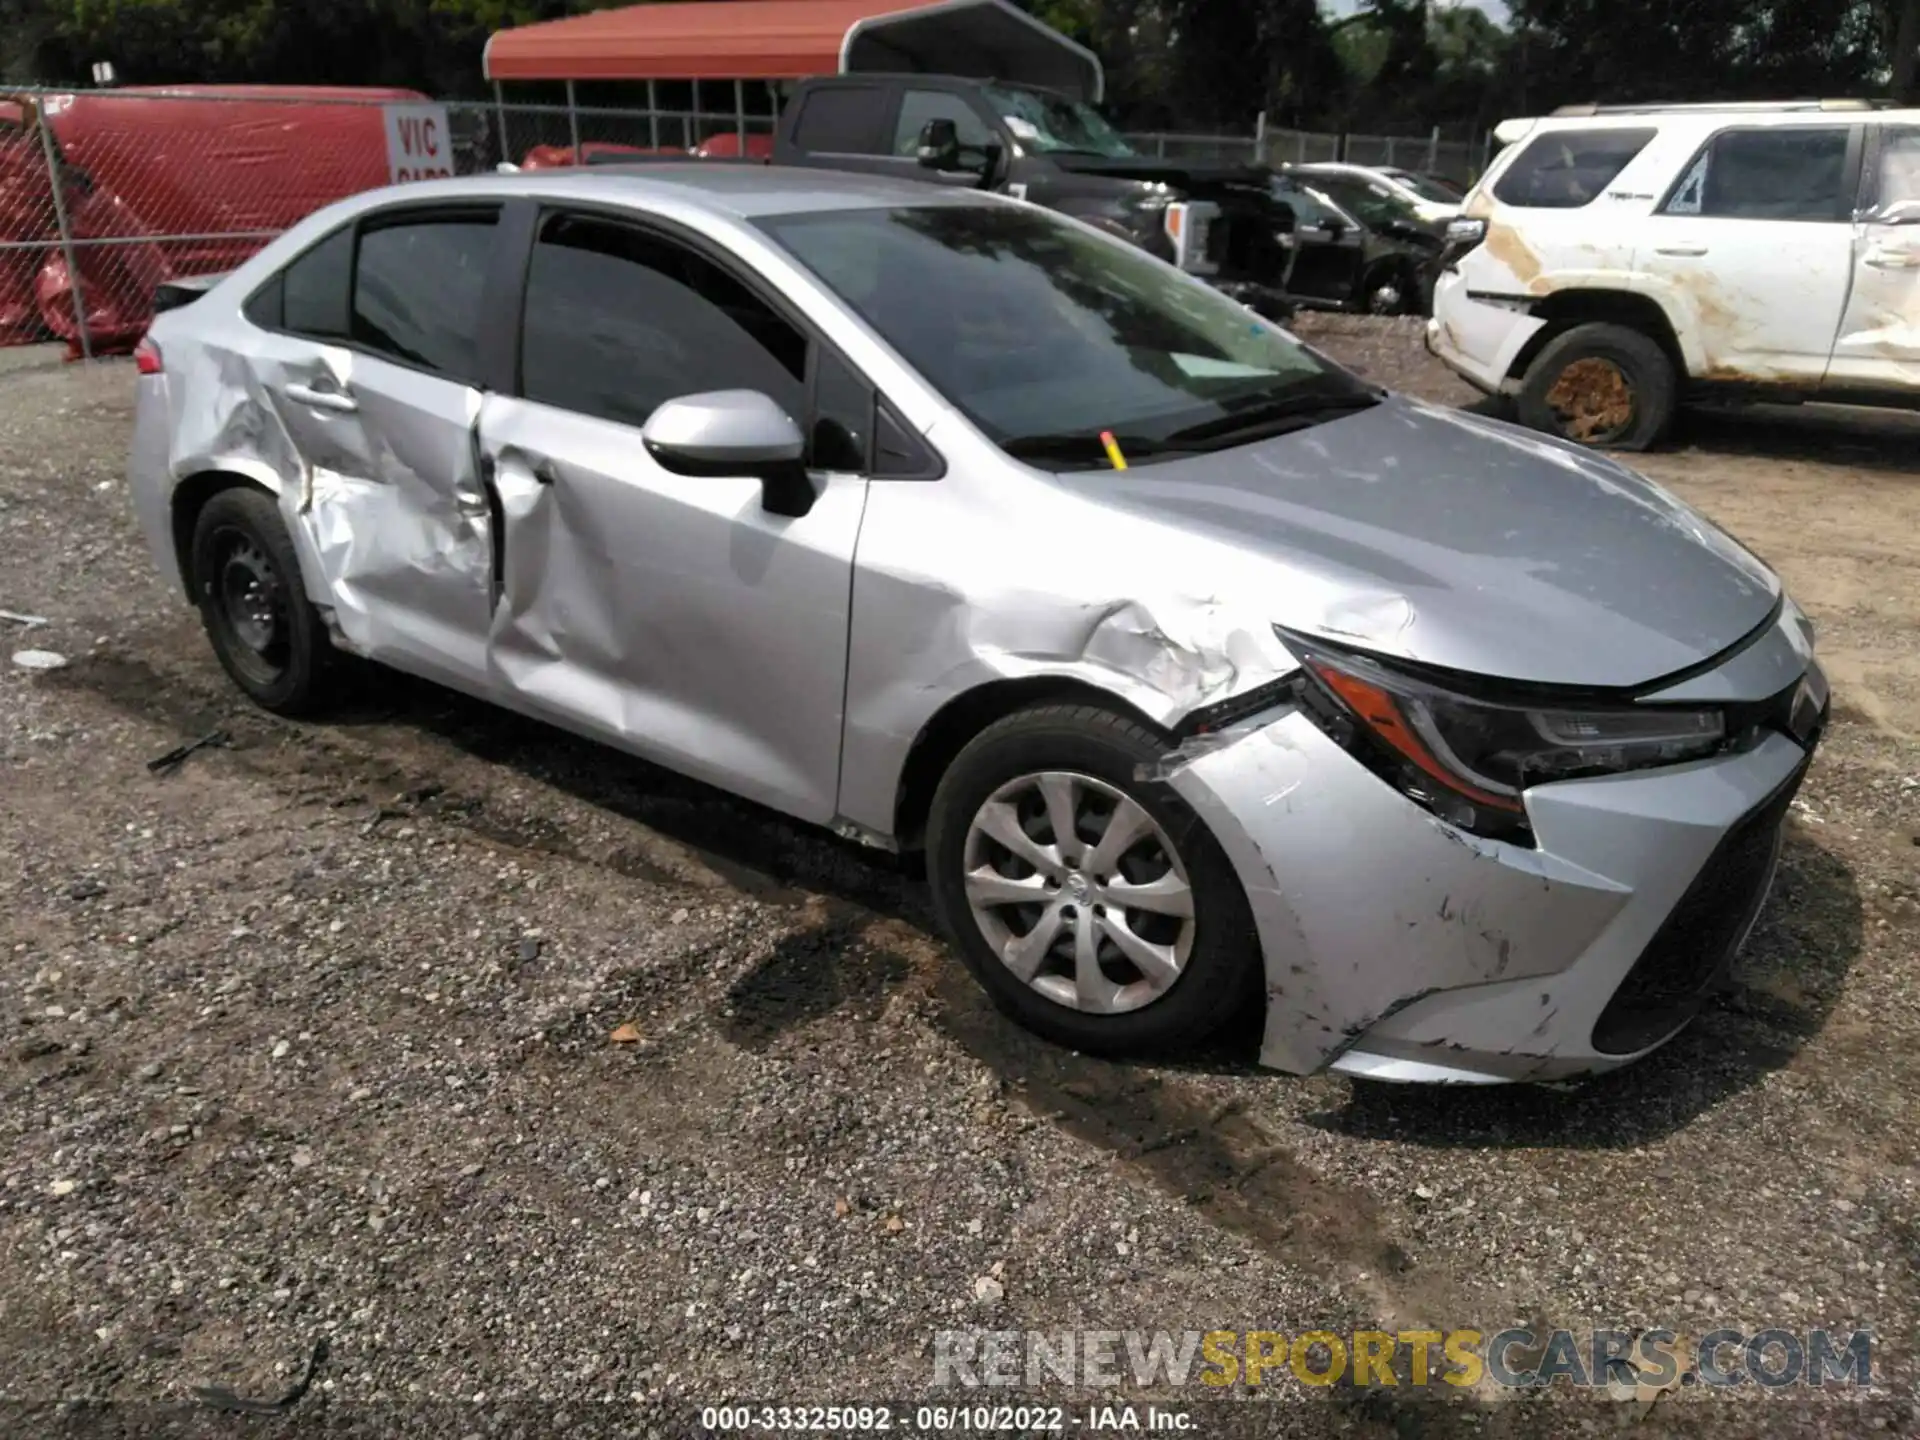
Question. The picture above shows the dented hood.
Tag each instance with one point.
(1465, 543)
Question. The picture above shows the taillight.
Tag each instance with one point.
(146, 357)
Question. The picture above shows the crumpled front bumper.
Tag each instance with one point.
(1400, 948)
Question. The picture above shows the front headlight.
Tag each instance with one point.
(1469, 759)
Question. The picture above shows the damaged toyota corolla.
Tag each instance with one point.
(1205, 674)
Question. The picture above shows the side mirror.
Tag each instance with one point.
(939, 145)
(734, 432)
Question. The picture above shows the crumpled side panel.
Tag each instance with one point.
(950, 595)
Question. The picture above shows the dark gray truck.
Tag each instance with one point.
(1224, 223)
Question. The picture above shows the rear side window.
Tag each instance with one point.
(417, 291)
(318, 287)
(617, 322)
(840, 120)
(1783, 173)
(1565, 169)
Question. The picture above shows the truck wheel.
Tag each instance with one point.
(1094, 908)
(247, 583)
(1602, 385)
(1391, 289)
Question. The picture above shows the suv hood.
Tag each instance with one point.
(1464, 543)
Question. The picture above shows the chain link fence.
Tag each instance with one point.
(105, 195)
(1459, 160)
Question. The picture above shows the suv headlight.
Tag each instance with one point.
(1469, 759)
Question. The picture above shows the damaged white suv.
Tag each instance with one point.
(1616, 262)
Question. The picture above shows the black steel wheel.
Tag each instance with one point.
(246, 579)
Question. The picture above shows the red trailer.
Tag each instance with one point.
(162, 182)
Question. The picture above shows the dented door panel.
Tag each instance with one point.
(389, 504)
(671, 615)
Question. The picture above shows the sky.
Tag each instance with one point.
(1495, 8)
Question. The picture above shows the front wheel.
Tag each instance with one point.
(1602, 385)
(1093, 907)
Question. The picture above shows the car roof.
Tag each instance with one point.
(744, 191)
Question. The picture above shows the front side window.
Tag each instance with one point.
(1317, 205)
(1042, 333)
(1049, 124)
(917, 107)
(1565, 169)
(618, 321)
(1784, 173)
(1896, 185)
(418, 287)
(1374, 204)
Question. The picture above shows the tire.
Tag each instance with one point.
(1405, 285)
(1603, 385)
(1216, 957)
(267, 636)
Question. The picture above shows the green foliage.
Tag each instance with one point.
(1395, 65)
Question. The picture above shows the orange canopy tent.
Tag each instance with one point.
(788, 39)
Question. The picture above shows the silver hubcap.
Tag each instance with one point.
(1079, 891)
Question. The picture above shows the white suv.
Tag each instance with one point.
(1615, 261)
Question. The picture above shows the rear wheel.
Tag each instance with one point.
(1602, 385)
(1094, 907)
(247, 580)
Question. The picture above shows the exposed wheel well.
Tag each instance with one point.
(956, 723)
(1568, 308)
(190, 497)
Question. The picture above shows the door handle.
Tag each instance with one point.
(1679, 249)
(543, 470)
(338, 401)
(1893, 259)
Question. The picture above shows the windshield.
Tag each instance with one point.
(1372, 201)
(1052, 124)
(1045, 335)
(1428, 187)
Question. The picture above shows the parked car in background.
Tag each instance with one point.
(1338, 261)
(1617, 262)
(1206, 675)
(1383, 195)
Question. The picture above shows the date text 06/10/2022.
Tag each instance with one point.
(942, 1419)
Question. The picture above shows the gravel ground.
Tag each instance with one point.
(555, 1091)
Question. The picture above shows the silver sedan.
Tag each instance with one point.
(1207, 675)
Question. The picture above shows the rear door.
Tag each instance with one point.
(1878, 346)
(369, 357)
(1751, 249)
(1325, 243)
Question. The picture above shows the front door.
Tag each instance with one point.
(1754, 248)
(671, 615)
(1878, 346)
(368, 359)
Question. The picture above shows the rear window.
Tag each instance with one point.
(841, 119)
(1565, 169)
